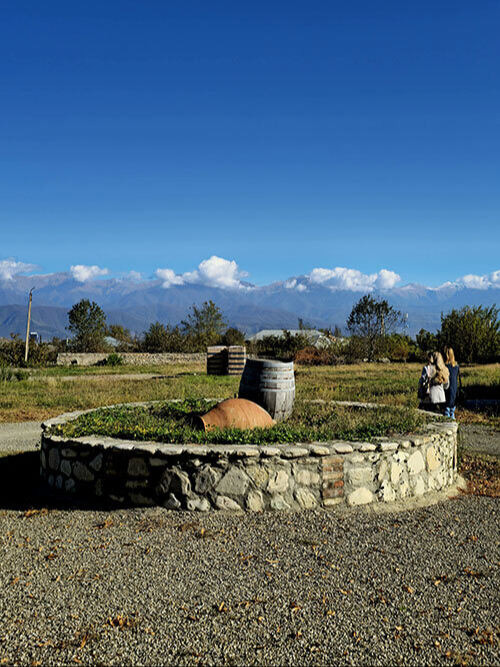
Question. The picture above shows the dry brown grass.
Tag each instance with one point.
(47, 394)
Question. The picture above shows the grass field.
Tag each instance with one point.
(48, 392)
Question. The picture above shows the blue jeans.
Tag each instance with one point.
(449, 411)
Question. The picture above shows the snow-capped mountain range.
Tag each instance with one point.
(322, 298)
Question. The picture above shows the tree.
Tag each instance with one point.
(233, 336)
(472, 332)
(427, 341)
(161, 338)
(204, 325)
(120, 333)
(371, 320)
(87, 323)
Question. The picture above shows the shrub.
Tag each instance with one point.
(312, 356)
(8, 374)
(114, 359)
(283, 347)
(400, 348)
(355, 349)
(39, 354)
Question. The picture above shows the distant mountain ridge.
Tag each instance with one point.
(136, 304)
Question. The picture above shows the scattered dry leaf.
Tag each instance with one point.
(34, 512)
(122, 621)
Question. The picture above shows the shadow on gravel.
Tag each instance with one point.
(22, 489)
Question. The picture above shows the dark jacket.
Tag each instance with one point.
(452, 391)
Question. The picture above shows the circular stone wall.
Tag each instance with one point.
(250, 477)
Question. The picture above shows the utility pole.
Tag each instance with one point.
(26, 348)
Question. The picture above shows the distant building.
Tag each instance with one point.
(109, 340)
(315, 338)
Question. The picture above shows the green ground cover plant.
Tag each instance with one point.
(173, 423)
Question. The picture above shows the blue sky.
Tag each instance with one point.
(282, 136)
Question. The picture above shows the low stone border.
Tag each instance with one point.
(130, 358)
(250, 477)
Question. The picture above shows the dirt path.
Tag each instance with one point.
(23, 437)
(481, 439)
(102, 376)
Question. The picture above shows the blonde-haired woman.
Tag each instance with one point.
(439, 382)
(433, 382)
(454, 374)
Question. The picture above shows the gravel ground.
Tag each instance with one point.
(151, 586)
(480, 438)
(20, 437)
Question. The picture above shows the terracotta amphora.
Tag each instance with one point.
(236, 413)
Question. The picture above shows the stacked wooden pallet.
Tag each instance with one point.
(226, 360)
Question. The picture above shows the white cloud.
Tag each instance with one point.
(82, 273)
(134, 275)
(217, 272)
(293, 283)
(351, 279)
(473, 281)
(9, 268)
(212, 272)
(321, 275)
(387, 279)
(169, 277)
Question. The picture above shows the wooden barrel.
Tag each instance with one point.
(271, 384)
(236, 357)
(217, 360)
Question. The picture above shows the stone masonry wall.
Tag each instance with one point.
(250, 477)
(130, 358)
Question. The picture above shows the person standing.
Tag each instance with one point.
(455, 381)
(439, 382)
(428, 371)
